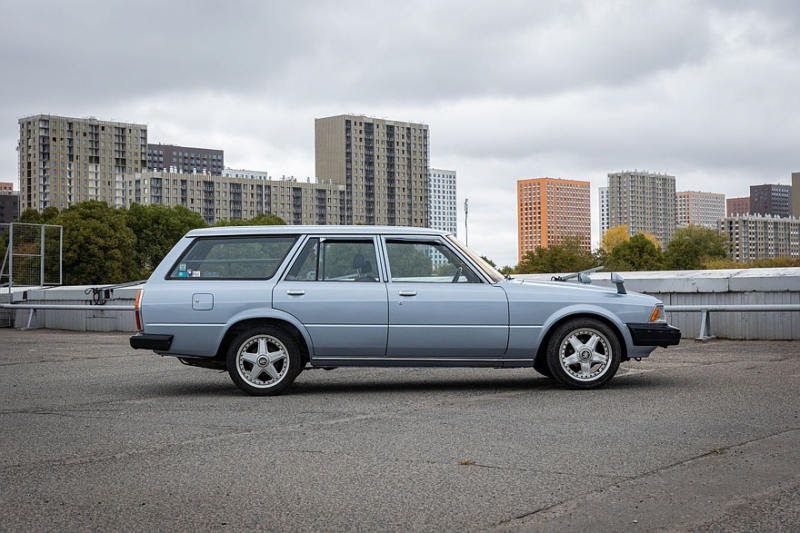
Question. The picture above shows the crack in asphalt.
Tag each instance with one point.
(633, 479)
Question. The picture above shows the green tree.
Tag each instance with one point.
(508, 270)
(258, 220)
(566, 257)
(30, 216)
(693, 246)
(157, 229)
(98, 245)
(636, 254)
(489, 261)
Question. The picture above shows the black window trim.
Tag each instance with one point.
(356, 237)
(428, 239)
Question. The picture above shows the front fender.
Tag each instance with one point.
(587, 310)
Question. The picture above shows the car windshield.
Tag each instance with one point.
(487, 269)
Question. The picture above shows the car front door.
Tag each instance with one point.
(334, 288)
(439, 306)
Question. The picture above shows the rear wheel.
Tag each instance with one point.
(263, 360)
(584, 353)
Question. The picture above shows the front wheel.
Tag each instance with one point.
(584, 353)
(263, 360)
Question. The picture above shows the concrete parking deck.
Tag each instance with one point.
(96, 436)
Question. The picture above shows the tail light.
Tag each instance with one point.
(137, 311)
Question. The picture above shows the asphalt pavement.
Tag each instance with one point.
(95, 436)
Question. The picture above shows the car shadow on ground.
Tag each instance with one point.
(429, 384)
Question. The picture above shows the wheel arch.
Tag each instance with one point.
(545, 340)
(286, 325)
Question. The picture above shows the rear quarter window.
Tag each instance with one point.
(233, 258)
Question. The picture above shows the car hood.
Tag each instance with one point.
(571, 287)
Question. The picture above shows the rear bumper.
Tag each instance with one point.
(655, 334)
(157, 343)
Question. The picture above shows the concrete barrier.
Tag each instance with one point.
(115, 315)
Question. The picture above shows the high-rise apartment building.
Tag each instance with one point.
(382, 164)
(643, 201)
(761, 237)
(6, 187)
(796, 194)
(442, 208)
(64, 160)
(185, 160)
(603, 197)
(699, 208)
(738, 206)
(551, 209)
(770, 199)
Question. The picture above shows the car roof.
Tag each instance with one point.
(328, 230)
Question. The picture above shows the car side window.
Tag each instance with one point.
(233, 258)
(335, 260)
(426, 262)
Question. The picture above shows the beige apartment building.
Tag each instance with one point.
(64, 160)
(550, 210)
(237, 198)
(761, 237)
(644, 201)
(700, 208)
(370, 171)
(382, 165)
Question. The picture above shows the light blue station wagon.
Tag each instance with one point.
(266, 302)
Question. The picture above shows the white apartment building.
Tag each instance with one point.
(603, 194)
(442, 202)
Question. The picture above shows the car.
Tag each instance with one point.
(267, 302)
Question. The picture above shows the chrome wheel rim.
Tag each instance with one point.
(262, 361)
(585, 354)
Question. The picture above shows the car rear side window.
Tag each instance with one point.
(336, 260)
(233, 258)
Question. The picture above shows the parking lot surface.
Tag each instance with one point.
(95, 436)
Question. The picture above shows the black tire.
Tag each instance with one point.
(541, 366)
(584, 353)
(263, 360)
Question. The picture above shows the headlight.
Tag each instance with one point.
(658, 314)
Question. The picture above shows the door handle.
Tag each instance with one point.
(407, 293)
(295, 292)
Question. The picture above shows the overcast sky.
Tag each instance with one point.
(706, 91)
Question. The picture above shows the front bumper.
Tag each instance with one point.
(654, 334)
(157, 343)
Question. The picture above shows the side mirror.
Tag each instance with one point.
(617, 280)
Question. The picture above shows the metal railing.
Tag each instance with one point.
(705, 313)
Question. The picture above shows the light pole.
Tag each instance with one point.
(466, 218)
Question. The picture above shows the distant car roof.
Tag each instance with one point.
(330, 230)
